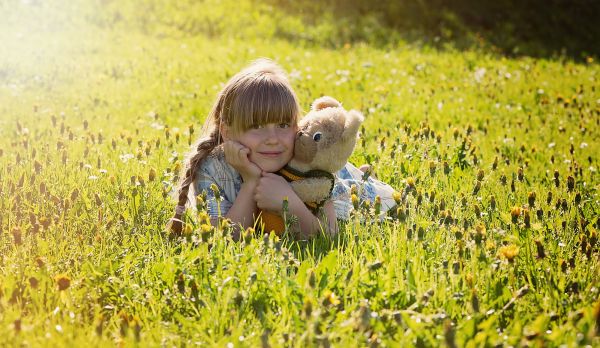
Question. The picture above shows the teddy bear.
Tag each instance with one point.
(325, 140)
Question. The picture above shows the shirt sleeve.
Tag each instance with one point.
(205, 177)
(367, 190)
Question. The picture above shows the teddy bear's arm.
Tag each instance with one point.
(312, 189)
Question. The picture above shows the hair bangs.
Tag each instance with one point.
(264, 99)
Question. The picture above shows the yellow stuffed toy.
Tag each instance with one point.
(325, 140)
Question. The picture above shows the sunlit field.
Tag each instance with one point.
(496, 243)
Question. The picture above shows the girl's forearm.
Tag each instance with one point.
(243, 208)
(309, 224)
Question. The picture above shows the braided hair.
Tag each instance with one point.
(259, 94)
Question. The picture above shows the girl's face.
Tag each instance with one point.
(271, 145)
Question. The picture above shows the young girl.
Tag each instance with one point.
(251, 131)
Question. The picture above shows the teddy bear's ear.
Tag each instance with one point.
(325, 102)
(353, 121)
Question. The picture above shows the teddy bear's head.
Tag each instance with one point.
(326, 136)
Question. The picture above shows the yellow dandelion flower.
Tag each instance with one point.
(509, 252)
(63, 281)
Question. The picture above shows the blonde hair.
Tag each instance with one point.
(259, 94)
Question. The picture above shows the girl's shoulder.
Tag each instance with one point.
(215, 165)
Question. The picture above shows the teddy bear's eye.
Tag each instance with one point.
(317, 136)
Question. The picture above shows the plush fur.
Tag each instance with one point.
(325, 140)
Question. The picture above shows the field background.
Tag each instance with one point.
(491, 123)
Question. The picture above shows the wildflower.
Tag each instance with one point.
(312, 278)
(63, 281)
(531, 198)
(187, 230)
(307, 308)
(493, 203)
(410, 182)
(355, 201)
(556, 178)
(397, 197)
(540, 249)
(520, 175)
(378, 204)
(446, 167)
(216, 192)
(526, 218)
(480, 233)
(74, 195)
(330, 298)
(477, 188)
(152, 175)
(247, 235)
(206, 231)
(431, 168)
(33, 282)
(480, 175)
(570, 183)
(509, 252)
(16, 232)
(515, 212)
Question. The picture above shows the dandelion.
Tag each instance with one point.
(330, 298)
(378, 204)
(215, 189)
(509, 252)
(397, 197)
(16, 232)
(520, 175)
(410, 182)
(307, 307)
(515, 212)
(312, 278)
(63, 281)
(480, 175)
(540, 249)
(206, 231)
(355, 201)
(480, 233)
(446, 168)
(432, 168)
(570, 183)
(187, 230)
(526, 218)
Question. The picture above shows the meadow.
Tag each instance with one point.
(496, 243)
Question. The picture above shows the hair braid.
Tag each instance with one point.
(204, 146)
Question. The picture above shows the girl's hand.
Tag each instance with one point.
(236, 155)
(271, 190)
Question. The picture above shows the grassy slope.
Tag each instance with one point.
(434, 280)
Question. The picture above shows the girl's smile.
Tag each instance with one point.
(271, 145)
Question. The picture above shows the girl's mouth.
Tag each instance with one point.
(271, 154)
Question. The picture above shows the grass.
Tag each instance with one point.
(497, 243)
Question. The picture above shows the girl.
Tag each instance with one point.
(251, 131)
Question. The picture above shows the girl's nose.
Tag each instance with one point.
(272, 135)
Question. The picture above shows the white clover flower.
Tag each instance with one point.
(126, 157)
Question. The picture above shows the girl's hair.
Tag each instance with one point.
(257, 95)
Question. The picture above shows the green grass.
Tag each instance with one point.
(87, 96)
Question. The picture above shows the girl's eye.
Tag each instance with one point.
(317, 136)
(284, 125)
